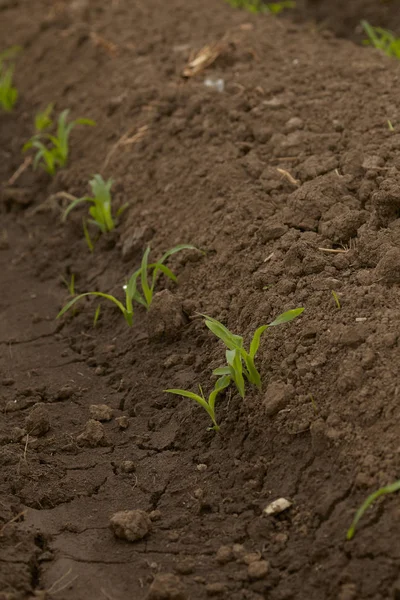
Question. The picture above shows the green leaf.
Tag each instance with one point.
(221, 384)
(84, 121)
(234, 360)
(148, 294)
(96, 315)
(73, 205)
(253, 375)
(286, 317)
(106, 296)
(177, 249)
(222, 371)
(389, 489)
(255, 342)
(230, 340)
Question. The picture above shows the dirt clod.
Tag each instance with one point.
(165, 317)
(101, 412)
(38, 421)
(277, 396)
(130, 525)
(258, 569)
(93, 435)
(167, 586)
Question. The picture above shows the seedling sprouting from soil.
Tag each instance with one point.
(388, 489)
(382, 39)
(257, 6)
(8, 93)
(70, 285)
(145, 298)
(336, 299)
(131, 292)
(208, 405)
(236, 355)
(100, 211)
(52, 150)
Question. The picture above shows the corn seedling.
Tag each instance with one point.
(236, 355)
(336, 299)
(145, 298)
(43, 119)
(96, 315)
(390, 125)
(382, 39)
(131, 292)
(52, 150)
(257, 6)
(8, 93)
(70, 285)
(388, 489)
(100, 211)
(208, 405)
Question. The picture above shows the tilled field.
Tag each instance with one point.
(288, 181)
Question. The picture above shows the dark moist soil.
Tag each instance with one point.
(324, 431)
(344, 16)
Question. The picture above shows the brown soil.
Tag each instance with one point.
(323, 433)
(344, 16)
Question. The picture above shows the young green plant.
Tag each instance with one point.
(8, 92)
(259, 6)
(388, 489)
(100, 209)
(141, 275)
(208, 405)
(236, 354)
(382, 39)
(52, 151)
(131, 292)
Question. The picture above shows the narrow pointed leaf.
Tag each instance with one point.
(286, 317)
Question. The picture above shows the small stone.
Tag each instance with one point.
(93, 435)
(165, 316)
(122, 422)
(214, 589)
(38, 421)
(277, 397)
(201, 467)
(277, 506)
(127, 466)
(198, 493)
(167, 586)
(130, 525)
(294, 124)
(224, 555)
(155, 515)
(258, 569)
(101, 412)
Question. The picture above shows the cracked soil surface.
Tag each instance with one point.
(203, 169)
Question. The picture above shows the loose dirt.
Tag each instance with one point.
(289, 181)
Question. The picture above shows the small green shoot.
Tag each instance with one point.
(54, 154)
(8, 93)
(336, 299)
(131, 292)
(382, 39)
(70, 284)
(388, 489)
(236, 354)
(314, 404)
(145, 298)
(100, 211)
(43, 119)
(96, 315)
(390, 125)
(208, 405)
(259, 6)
